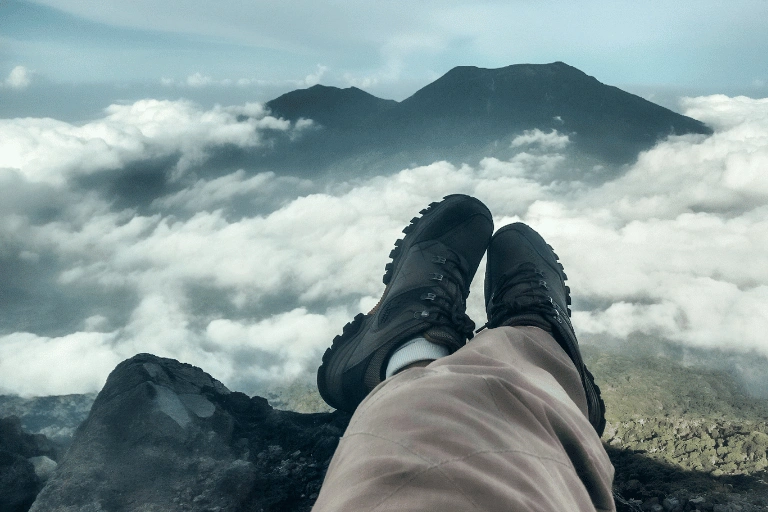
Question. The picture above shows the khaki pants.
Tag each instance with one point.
(501, 425)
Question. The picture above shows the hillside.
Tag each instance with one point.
(635, 387)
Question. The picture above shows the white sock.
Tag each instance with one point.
(417, 349)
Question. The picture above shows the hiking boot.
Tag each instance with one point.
(525, 285)
(427, 287)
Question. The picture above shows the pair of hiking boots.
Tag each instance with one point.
(427, 284)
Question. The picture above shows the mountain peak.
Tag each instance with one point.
(328, 105)
(603, 120)
(557, 68)
(516, 78)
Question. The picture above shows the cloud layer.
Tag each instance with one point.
(251, 274)
(51, 151)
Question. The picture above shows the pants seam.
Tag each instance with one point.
(430, 466)
(419, 473)
(463, 457)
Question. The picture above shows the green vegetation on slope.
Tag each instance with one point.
(652, 387)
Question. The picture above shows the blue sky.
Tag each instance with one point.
(232, 51)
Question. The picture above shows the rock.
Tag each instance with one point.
(652, 504)
(626, 505)
(19, 454)
(700, 503)
(13, 439)
(18, 482)
(672, 505)
(163, 435)
(44, 466)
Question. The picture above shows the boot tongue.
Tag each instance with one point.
(444, 335)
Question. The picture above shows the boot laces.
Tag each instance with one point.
(446, 305)
(532, 295)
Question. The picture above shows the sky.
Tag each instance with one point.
(121, 233)
(79, 55)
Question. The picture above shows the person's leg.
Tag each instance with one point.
(499, 425)
(510, 422)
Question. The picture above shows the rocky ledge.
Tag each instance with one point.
(166, 436)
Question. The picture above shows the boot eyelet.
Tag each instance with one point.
(435, 276)
(428, 296)
(438, 259)
(420, 314)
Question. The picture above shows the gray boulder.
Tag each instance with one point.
(19, 480)
(166, 436)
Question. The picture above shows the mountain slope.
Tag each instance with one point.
(470, 113)
(600, 119)
(642, 386)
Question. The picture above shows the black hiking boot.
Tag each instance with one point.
(427, 287)
(525, 285)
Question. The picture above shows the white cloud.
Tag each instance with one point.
(199, 80)
(33, 365)
(314, 78)
(675, 248)
(290, 337)
(363, 82)
(217, 193)
(19, 78)
(547, 141)
(51, 151)
(249, 82)
(388, 73)
(740, 114)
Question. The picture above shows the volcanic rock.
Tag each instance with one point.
(22, 466)
(163, 435)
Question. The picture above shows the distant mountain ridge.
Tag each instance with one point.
(472, 112)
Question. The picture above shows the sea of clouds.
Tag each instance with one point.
(250, 275)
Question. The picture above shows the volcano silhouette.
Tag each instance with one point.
(470, 113)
